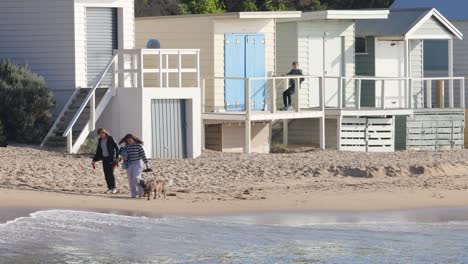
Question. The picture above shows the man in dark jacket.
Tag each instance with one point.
(292, 86)
(107, 151)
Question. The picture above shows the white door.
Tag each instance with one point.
(367, 134)
(333, 67)
(390, 62)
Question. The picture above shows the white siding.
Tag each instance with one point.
(234, 137)
(40, 33)
(286, 52)
(311, 52)
(126, 31)
(416, 70)
(253, 26)
(432, 28)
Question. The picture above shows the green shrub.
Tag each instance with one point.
(25, 103)
(3, 141)
(89, 146)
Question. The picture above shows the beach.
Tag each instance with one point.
(222, 183)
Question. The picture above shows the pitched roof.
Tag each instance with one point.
(400, 22)
(451, 9)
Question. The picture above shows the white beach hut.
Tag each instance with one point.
(85, 51)
(235, 49)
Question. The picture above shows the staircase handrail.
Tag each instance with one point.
(88, 97)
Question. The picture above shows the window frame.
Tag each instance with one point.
(366, 50)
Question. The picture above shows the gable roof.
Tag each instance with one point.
(403, 22)
(452, 9)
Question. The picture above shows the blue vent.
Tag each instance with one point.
(153, 44)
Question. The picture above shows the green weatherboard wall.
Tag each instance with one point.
(365, 66)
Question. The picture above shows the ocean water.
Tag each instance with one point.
(61, 236)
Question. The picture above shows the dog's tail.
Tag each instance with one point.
(169, 182)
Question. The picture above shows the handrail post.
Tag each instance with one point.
(440, 95)
(167, 71)
(179, 68)
(70, 141)
(340, 93)
(429, 93)
(462, 93)
(286, 85)
(451, 106)
(121, 68)
(115, 75)
(203, 95)
(297, 84)
(358, 94)
(273, 96)
(160, 69)
(321, 94)
(198, 68)
(92, 113)
(410, 95)
(382, 98)
(140, 69)
(248, 128)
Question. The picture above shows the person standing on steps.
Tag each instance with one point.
(135, 156)
(108, 152)
(292, 86)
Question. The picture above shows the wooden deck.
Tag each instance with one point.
(264, 115)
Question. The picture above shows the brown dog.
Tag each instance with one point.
(157, 186)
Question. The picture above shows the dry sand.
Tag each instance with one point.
(218, 183)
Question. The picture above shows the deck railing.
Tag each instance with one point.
(261, 94)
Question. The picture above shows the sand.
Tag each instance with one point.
(219, 183)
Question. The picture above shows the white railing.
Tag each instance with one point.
(273, 87)
(159, 68)
(407, 95)
(91, 100)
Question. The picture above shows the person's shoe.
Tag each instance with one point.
(113, 191)
(108, 191)
(284, 108)
(290, 108)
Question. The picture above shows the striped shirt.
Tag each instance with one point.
(136, 152)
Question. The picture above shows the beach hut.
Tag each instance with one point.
(238, 62)
(457, 13)
(85, 49)
(394, 49)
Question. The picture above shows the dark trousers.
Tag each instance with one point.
(109, 173)
(287, 96)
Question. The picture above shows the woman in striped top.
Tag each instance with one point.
(135, 156)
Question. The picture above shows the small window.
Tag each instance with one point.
(361, 45)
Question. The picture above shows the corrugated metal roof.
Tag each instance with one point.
(451, 9)
(399, 22)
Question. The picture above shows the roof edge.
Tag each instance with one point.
(231, 15)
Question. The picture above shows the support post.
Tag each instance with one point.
(248, 124)
(140, 76)
(160, 69)
(358, 94)
(198, 68)
(115, 75)
(410, 95)
(203, 95)
(92, 112)
(167, 71)
(382, 95)
(70, 141)
(322, 94)
(273, 95)
(121, 69)
(340, 93)
(285, 132)
(179, 69)
(429, 93)
(462, 93)
(339, 121)
(450, 72)
(297, 84)
(322, 132)
(440, 95)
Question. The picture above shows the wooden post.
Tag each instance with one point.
(340, 93)
(285, 131)
(115, 75)
(121, 68)
(179, 68)
(322, 132)
(382, 96)
(429, 93)
(410, 95)
(70, 141)
(297, 84)
(273, 95)
(203, 95)
(339, 122)
(248, 128)
(321, 93)
(167, 71)
(160, 69)
(198, 68)
(462, 93)
(358, 94)
(440, 95)
(450, 72)
(140, 77)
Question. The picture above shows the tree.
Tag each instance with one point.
(249, 6)
(307, 5)
(25, 103)
(187, 7)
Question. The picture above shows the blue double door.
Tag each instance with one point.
(244, 57)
